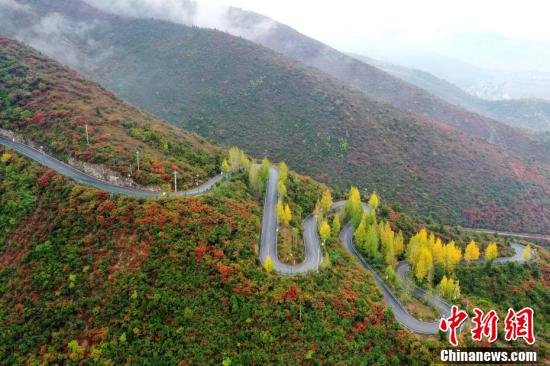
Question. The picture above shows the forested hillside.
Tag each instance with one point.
(88, 276)
(238, 93)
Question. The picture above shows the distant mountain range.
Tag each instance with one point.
(490, 84)
(525, 113)
(364, 127)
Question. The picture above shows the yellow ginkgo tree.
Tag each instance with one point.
(472, 252)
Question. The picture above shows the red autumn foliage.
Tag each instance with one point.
(376, 314)
(225, 271)
(158, 167)
(349, 295)
(340, 309)
(154, 214)
(218, 253)
(195, 206)
(106, 206)
(246, 289)
(291, 294)
(20, 309)
(44, 180)
(200, 251)
(38, 118)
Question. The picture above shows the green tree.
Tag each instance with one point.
(76, 351)
(264, 172)
(371, 241)
(336, 226)
(254, 177)
(360, 235)
(281, 187)
(225, 166)
(354, 208)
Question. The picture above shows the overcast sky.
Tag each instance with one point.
(517, 31)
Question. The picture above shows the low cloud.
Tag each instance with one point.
(51, 33)
(204, 14)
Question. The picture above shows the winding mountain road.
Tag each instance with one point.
(81, 177)
(268, 245)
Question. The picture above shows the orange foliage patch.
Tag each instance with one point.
(225, 271)
(291, 294)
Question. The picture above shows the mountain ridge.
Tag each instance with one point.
(528, 113)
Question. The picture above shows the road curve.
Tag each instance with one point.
(268, 244)
(81, 177)
(268, 240)
(507, 233)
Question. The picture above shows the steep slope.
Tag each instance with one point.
(524, 113)
(90, 277)
(371, 80)
(383, 86)
(238, 93)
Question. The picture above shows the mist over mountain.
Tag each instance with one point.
(531, 114)
(486, 83)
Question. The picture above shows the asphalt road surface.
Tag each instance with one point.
(81, 177)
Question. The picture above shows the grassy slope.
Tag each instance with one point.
(157, 281)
